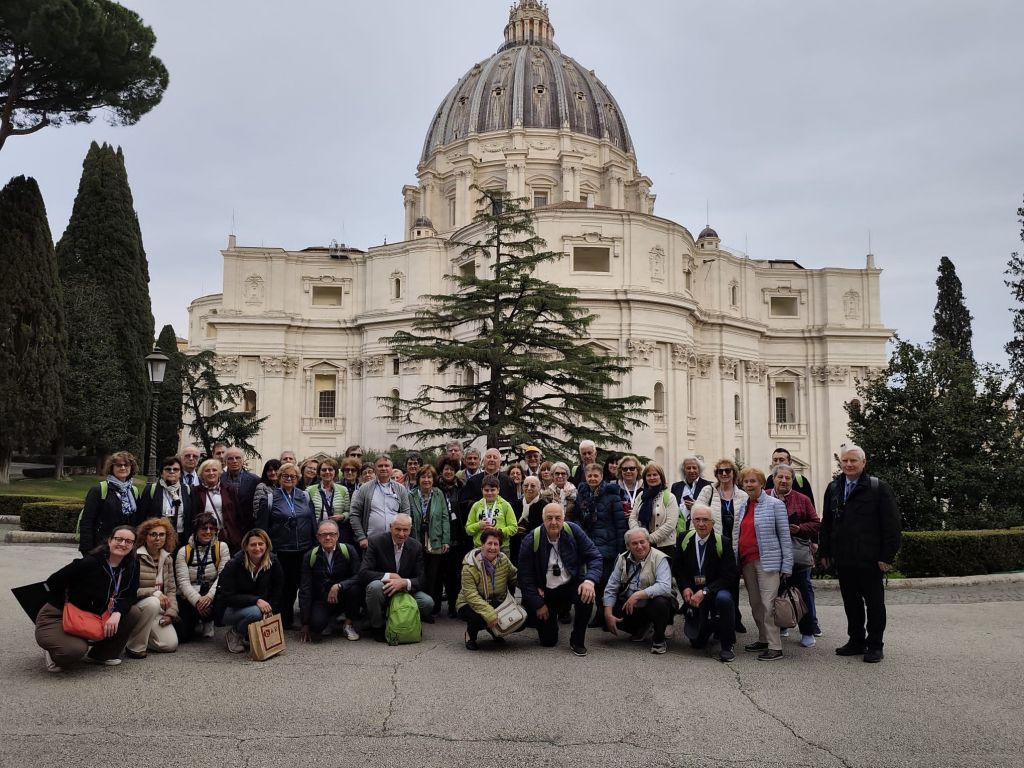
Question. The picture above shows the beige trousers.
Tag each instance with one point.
(762, 587)
(148, 634)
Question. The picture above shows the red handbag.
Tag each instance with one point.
(84, 624)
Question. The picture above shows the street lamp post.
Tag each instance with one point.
(156, 362)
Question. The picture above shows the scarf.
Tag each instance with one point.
(490, 569)
(585, 510)
(646, 513)
(173, 492)
(124, 493)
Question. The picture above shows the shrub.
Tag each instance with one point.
(55, 516)
(39, 473)
(961, 553)
(11, 505)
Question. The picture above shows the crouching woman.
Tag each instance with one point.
(251, 586)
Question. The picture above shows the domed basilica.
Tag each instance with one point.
(737, 355)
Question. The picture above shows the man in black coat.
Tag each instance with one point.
(474, 485)
(559, 567)
(329, 584)
(392, 563)
(704, 567)
(688, 489)
(860, 533)
(238, 477)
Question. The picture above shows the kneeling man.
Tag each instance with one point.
(329, 585)
(639, 590)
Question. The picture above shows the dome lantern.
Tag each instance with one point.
(529, 24)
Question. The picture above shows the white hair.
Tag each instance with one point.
(698, 507)
(588, 444)
(854, 449)
(785, 468)
(560, 465)
(631, 531)
(692, 457)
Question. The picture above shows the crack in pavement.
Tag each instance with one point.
(746, 694)
(395, 669)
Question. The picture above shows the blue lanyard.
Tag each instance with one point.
(290, 501)
(115, 583)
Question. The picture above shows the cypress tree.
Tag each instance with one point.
(952, 320)
(1015, 346)
(110, 324)
(32, 340)
(168, 410)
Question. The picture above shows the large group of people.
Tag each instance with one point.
(328, 544)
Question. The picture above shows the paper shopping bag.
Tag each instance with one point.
(266, 638)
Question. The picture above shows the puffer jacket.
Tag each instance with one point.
(599, 513)
(771, 525)
(477, 591)
(148, 570)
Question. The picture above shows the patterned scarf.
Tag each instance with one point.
(646, 513)
(124, 493)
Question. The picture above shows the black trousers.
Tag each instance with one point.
(188, 617)
(863, 595)
(560, 601)
(321, 612)
(433, 576)
(657, 612)
(718, 616)
(291, 562)
(475, 623)
(451, 569)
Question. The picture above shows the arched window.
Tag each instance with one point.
(659, 398)
(396, 288)
(394, 407)
(737, 411)
(734, 295)
(470, 376)
(250, 401)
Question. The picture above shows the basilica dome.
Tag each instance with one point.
(528, 83)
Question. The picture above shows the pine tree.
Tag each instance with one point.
(169, 407)
(211, 407)
(110, 324)
(1015, 347)
(32, 336)
(540, 381)
(952, 320)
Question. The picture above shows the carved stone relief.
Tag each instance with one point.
(851, 305)
(704, 365)
(373, 365)
(279, 365)
(225, 366)
(727, 365)
(683, 356)
(410, 366)
(658, 264)
(830, 374)
(253, 289)
(639, 350)
(756, 371)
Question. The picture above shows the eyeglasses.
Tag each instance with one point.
(346, 470)
(208, 528)
(121, 465)
(288, 477)
(172, 469)
(122, 540)
(157, 534)
(560, 474)
(628, 469)
(326, 469)
(356, 455)
(326, 535)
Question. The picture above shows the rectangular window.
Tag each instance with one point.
(781, 410)
(451, 211)
(395, 366)
(784, 306)
(588, 258)
(468, 269)
(540, 199)
(326, 295)
(325, 385)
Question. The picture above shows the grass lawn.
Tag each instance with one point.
(73, 488)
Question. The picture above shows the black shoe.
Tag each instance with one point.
(565, 618)
(377, 634)
(726, 656)
(429, 619)
(873, 655)
(769, 656)
(471, 643)
(452, 614)
(740, 629)
(497, 638)
(758, 646)
(597, 621)
(850, 649)
(578, 650)
(697, 644)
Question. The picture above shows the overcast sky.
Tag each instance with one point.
(804, 124)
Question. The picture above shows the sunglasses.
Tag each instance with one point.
(121, 465)
(723, 471)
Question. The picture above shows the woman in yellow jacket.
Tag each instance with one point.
(487, 577)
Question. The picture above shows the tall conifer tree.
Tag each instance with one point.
(169, 407)
(952, 320)
(110, 323)
(1015, 347)
(32, 340)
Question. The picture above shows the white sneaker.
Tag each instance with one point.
(785, 633)
(350, 632)
(103, 662)
(234, 641)
(51, 665)
(807, 641)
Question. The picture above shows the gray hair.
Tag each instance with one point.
(531, 480)
(698, 507)
(403, 517)
(588, 444)
(471, 452)
(854, 449)
(692, 457)
(631, 531)
(560, 465)
(783, 468)
(330, 523)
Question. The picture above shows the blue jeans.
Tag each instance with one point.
(802, 580)
(240, 618)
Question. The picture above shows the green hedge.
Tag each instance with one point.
(11, 505)
(55, 516)
(960, 553)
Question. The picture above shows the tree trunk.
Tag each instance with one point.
(5, 466)
(58, 453)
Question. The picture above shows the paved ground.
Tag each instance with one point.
(949, 693)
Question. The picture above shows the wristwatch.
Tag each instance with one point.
(705, 591)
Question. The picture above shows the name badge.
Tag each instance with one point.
(699, 581)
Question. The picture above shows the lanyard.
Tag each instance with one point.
(115, 583)
(201, 563)
(702, 551)
(328, 503)
(289, 499)
(491, 513)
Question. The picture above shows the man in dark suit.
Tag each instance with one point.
(329, 586)
(704, 568)
(474, 485)
(239, 478)
(688, 489)
(393, 563)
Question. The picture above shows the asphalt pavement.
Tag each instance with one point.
(950, 692)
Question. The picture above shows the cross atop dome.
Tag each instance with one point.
(528, 24)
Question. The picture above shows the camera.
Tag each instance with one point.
(555, 570)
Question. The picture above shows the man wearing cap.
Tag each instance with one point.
(532, 458)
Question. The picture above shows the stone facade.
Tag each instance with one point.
(737, 355)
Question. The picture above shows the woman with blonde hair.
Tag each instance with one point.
(250, 589)
(724, 498)
(658, 511)
(157, 591)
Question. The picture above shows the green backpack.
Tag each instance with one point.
(403, 625)
(103, 497)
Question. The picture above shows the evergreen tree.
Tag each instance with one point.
(169, 406)
(32, 336)
(1015, 347)
(540, 381)
(105, 276)
(952, 320)
(210, 406)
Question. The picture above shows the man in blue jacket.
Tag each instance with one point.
(558, 568)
